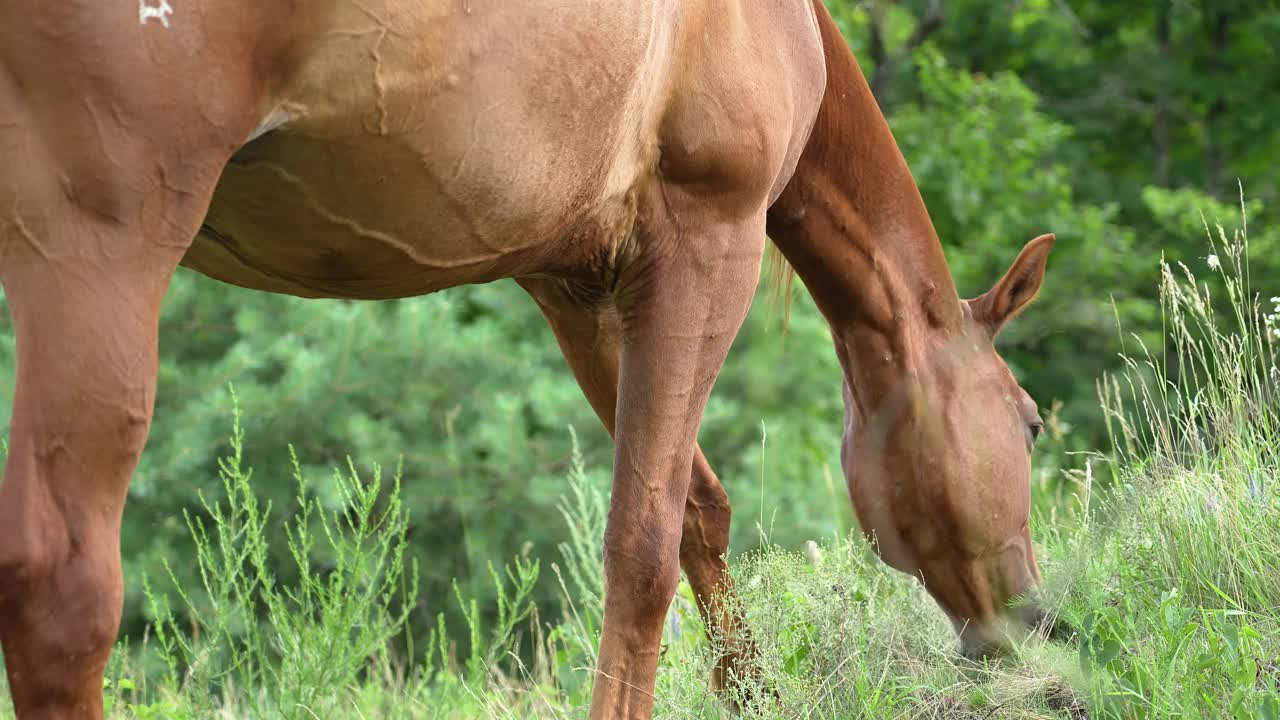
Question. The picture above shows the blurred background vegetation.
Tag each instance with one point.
(1113, 125)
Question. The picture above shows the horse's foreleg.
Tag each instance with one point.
(679, 307)
(586, 326)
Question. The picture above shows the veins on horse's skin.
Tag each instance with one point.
(384, 29)
(25, 233)
(475, 138)
(465, 211)
(205, 115)
(364, 232)
(178, 233)
(104, 144)
(458, 167)
(381, 102)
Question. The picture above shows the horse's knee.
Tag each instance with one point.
(60, 601)
(642, 570)
(80, 599)
(23, 564)
(59, 556)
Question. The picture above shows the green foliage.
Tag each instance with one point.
(286, 651)
(1190, 662)
(416, 384)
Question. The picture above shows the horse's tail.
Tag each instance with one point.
(781, 277)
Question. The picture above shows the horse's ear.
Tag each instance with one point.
(1016, 289)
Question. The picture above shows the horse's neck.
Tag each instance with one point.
(853, 225)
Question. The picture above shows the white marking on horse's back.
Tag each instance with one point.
(161, 12)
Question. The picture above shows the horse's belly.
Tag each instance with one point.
(313, 218)
(424, 145)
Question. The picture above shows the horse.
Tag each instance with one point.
(625, 161)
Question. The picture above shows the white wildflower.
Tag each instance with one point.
(813, 552)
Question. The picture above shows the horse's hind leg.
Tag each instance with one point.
(110, 156)
(84, 262)
(586, 326)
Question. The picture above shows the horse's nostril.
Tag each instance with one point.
(978, 644)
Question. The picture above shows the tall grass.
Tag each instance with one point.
(1181, 611)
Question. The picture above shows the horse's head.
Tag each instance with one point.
(938, 463)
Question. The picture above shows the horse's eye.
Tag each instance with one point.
(1037, 427)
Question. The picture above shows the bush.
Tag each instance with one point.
(287, 651)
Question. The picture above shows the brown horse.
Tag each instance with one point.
(622, 160)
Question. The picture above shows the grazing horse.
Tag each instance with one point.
(622, 160)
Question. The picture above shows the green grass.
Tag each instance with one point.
(1171, 576)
